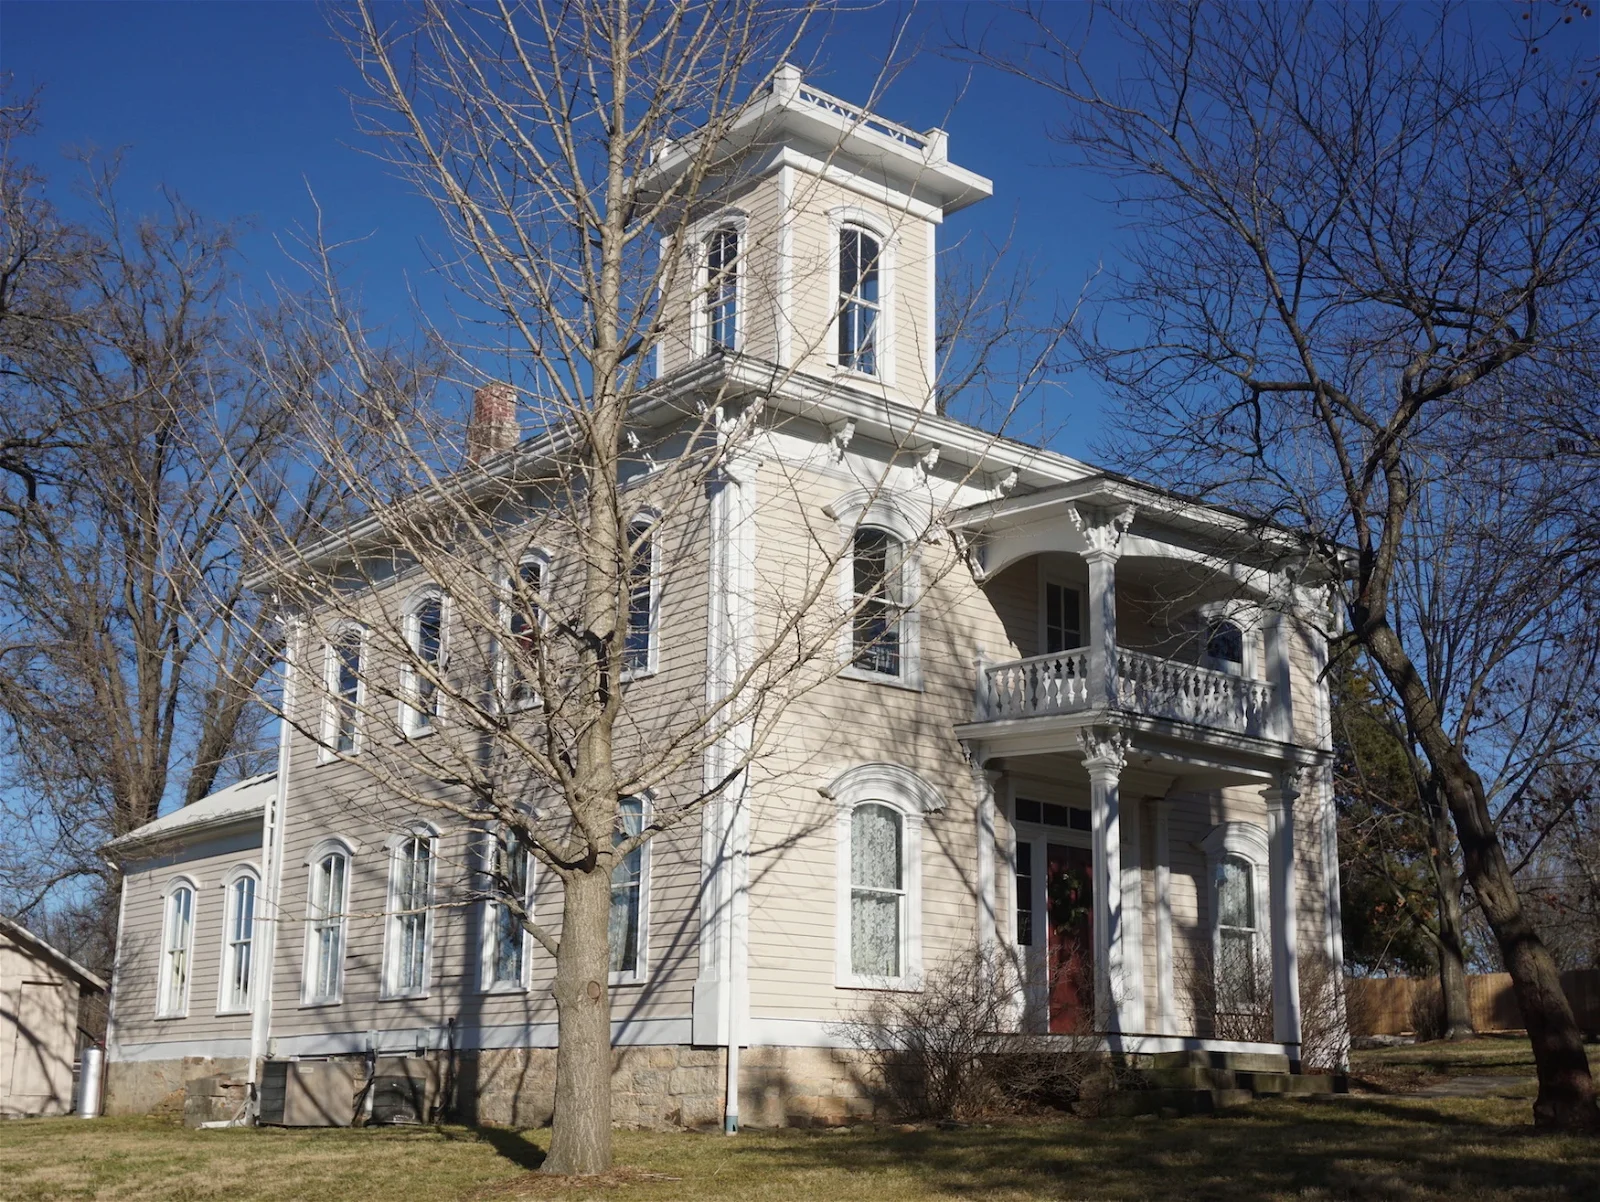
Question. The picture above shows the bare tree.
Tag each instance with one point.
(506, 597)
(133, 428)
(1364, 236)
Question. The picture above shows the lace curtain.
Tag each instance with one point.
(876, 890)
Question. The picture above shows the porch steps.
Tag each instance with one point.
(1207, 1082)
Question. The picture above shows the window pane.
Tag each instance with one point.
(879, 571)
(626, 879)
(721, 288)
(1234, 902)
(875, 934)
(1236, 975)
(511, 869)
(1226, 643)
(636, 646)
(875, 848)
(1024, 885)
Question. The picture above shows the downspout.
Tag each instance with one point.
(272, 841)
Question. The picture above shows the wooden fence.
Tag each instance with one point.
(1392, 1005)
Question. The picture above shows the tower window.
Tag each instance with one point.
(722, 290)
(860, 301)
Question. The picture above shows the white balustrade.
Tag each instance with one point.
(1145, 684)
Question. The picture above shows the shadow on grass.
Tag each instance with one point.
(511, 1145)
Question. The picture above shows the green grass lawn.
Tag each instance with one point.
(1366, 1147)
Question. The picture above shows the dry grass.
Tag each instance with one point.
(1409, 1067)
(1375, 1147)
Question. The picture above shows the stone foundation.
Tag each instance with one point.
(659, 1088)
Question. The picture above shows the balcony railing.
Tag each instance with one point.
(1145, 684)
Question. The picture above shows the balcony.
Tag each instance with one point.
(1147, 685)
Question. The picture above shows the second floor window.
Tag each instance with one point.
(410, 896)
(638, 649)
(1062, 629)
(325, 927)
(1225, 647)
(344, 688)
(425, 635)
(722, 290)
(860, 304)
(524, 624)
(241, 929)
(878, 573)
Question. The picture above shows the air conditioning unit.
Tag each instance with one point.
(307, 1093)
(406, 1090)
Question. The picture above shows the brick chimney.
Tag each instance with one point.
(493, 427)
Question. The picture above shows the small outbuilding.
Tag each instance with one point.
(40, 991)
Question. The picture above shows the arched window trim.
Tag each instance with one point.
(504, 676)
(488, 944)
(881, 511)
(329, 750)
(394, 917)
(412, 723)
(331, 845)
(903, 791)
(172, 1001)
(738, 222)
(641, 970)
(1247, 842)
(1246, 616)
(650, 517)
(840, 219)
(225, 973)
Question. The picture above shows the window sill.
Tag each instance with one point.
(852, 375)
(881, 984)
(414, 995)
(336, 757)
(628, 978)
(171, 1018)
(851, 672)
(628, 677)
(322, 1003)
(421, 732)
(233, 1012)
(505, 988)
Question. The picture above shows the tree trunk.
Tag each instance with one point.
(1452, 963)
(581, 1140)
(1566, 1090)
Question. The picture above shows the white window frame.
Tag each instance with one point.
(1248, 842)
(700, 327)
(225, 1003)
(839, 220)
(652, 519)
(489, 944)
(172, 999)
(880, 510)
(329, 751)
(309, 957)
(1248, 620)
(505, 680)
(903, 791)
(641, 960)
(411, 713)
(393, 916)
(1047, 581)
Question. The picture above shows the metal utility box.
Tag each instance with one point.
(308, 1093)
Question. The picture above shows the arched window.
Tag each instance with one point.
(722, 289)
(346, 690)
(325, 924)
(877, 892)
(425, 636)
(177, 951)
(238, 942)
(410, 902)
(860, 303)
(629, 894)
(639, 640)
(1225, 646)
(524, 629)
(878, 573)
(881, 811)
(505, 949)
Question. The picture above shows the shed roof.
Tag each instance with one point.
(23, 937)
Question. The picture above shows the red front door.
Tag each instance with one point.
(1069, 909)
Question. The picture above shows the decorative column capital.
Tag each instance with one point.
(1105, 749)
(1290, 783)
(1101, 531)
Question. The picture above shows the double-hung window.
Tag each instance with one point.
(410, 900)
(330, 879)
(524, 628)
(345, 691)
(425, 639)
(177, 950)
(239, 929)
(722, 289)
(1238, 933)
(878, 574)
(1063, 629)
(860, 302)
(877, 892)
(639, 638)
(506, 946)
(627, 926)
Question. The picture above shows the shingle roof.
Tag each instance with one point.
(222, 808)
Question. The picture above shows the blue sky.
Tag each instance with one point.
(242, 109)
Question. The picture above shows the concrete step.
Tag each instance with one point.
(1239, 1062)
(1193, 1076)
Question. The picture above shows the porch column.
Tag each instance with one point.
(1166, 1020)
(1280, 854)
(1117, 969)
(1102, 535)
(1280, 714)
(985, 782)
